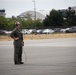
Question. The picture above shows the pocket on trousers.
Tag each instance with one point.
(17, 44)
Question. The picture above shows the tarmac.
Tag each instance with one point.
(40, 57)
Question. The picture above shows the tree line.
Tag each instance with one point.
(55, 18)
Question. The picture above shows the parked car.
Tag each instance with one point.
(38, 31)
(48, 31)
(2, 32)
(63, 30)
(24, 31)
(7, 32)
(71, 30)
(32, 31)
(57, 30)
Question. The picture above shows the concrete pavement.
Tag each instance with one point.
(44, 57)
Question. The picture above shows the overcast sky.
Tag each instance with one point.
(16, 7)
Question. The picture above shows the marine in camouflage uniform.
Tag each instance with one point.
(18, 43)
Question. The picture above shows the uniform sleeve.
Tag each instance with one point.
(12, 35)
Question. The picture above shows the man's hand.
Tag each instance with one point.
(16, 38)
(22, 43)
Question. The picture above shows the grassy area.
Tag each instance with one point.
(41, 36)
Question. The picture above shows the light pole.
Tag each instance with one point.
(35, 12)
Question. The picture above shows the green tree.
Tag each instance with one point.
(3, 22)
(11, 24)
(54, 19)
(39, 23)
(30, 24)
(70, 17)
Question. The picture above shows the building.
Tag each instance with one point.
(2, 12)
(30, 14)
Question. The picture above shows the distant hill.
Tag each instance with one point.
(30, 14)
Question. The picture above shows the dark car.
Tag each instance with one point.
(57, 30)
(2, 32)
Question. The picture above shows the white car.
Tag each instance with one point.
(24, 31)
(7, 32)
(31, 31)
(63, 30)
(38, 31)
(48, 31)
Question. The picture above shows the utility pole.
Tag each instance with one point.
(35, 12)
